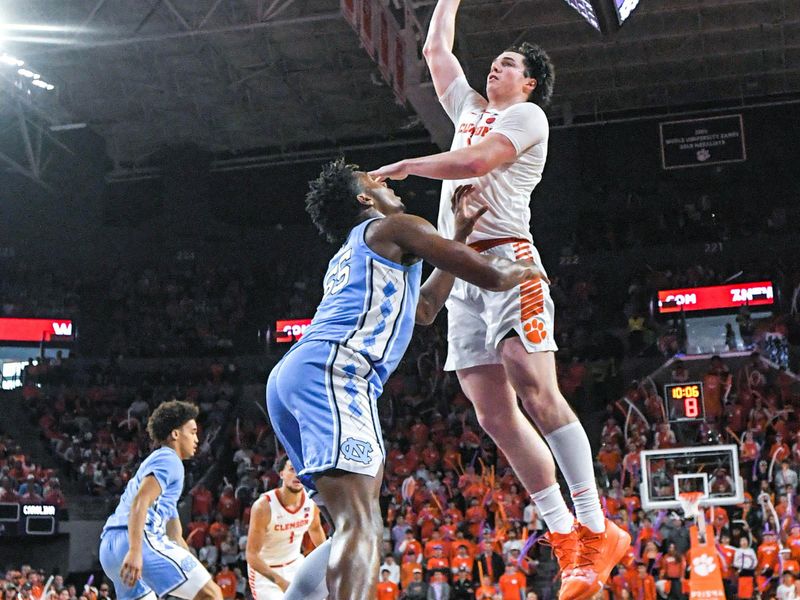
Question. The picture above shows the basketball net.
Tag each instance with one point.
(690, 504)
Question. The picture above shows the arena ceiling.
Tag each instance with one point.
(289, 77)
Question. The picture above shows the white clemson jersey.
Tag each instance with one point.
(286, 529)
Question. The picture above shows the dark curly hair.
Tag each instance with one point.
(331, 200)
(281, 465)
(169, 416)
(538, 66)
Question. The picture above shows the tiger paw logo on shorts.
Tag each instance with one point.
(703, 565)
(535, 331)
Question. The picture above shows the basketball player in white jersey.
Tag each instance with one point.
(278, 521)
(501, 344)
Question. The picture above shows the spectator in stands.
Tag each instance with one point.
(489, 564)
(390, 565)
(387, 589)
(208, 554)
(511, 583)
(672, 568)
(226, 580)
(202, 500)
(487, 590)
(439, 589)
(463, 588)
(228, 506)
(416, 589)
(786, 476)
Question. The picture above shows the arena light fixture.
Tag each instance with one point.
(12, 61)
(28, 74)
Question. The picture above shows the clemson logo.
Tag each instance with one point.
(703, 565)
(535, 331)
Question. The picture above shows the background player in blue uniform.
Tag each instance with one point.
(142, 549)
(322, 396)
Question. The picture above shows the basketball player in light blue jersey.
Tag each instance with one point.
(322, 396)
(142, 549)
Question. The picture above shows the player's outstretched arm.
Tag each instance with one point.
(417, 237)
(438, 48)
(436, 289)
(131, 569)
(464, 163)
(260, 517)
(520, 127)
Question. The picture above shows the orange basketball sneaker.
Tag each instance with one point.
(597, 554)
(565, 547)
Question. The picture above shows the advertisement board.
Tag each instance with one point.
(716, 297)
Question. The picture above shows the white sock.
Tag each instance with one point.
(553, 509)
(572, 452)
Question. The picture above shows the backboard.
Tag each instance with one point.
(712, 470)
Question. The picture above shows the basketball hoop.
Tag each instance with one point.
(690, 504)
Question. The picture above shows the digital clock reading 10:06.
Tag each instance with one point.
(684, 401)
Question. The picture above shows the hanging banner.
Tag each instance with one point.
(365, 30)
(702, 142)
(381, 37)
(350, 12)
(384, 58)
(399, 75)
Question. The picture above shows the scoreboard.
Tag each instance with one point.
(28, 519)
(684, 402)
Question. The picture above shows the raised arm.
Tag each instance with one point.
(131, 569)
(438, 48)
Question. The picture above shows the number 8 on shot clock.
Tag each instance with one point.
(684, 402)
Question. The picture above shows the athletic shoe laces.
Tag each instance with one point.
(590, 549)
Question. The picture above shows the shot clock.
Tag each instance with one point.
(684, 401)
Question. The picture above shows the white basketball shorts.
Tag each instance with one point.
(263, 589)
(478, 320)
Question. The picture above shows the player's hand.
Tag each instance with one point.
(131, 569)
(531, 271)
(465, 215)
(281, 583)
(395, 171)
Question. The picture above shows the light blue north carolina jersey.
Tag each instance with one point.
(369, 304)
(166, 466)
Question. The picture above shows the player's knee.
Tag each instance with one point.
(373, 523)
(537, 398)
(210, 591)
(494, 421)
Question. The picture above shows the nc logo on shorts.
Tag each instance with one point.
(188, 563)
(357, 450)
